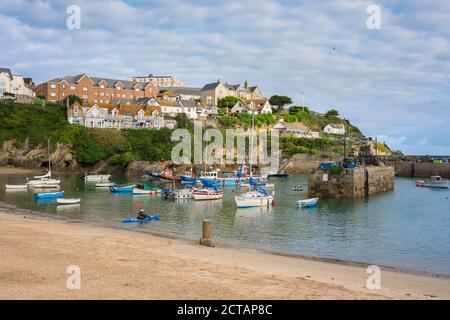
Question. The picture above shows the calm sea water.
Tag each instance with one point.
(407, 228)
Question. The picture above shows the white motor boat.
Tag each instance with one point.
(207, 194)
(97, 177)
(16, 186)
(44, 186)
(256, 198)
(68, 201)
(434, 182)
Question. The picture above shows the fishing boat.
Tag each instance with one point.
(167, 174)
(256, 198)
(186, 193)
(207, 194)
(97, 177)
(307, 203)
(188, 177)
(148, 191)
(297, 188)
(16, 186)
(67, 201)
(123, 189)
(149, 218)
(105, 184)
(49, 195)
(434, 182)
(210, 175)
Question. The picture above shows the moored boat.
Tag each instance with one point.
(149, 191)
(45, 186)
(105, 184)
(16, 186)
(307, 203)
(256, 198)
(124, 189)
(434, 182)
(207, 194)
(252, 183)
(49, 195)
(97, 177)
(67, 201)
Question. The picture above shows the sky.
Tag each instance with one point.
(392, 82)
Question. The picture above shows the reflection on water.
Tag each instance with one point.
(408, 227)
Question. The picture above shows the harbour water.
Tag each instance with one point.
(407, 228)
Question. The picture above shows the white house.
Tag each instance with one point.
(334, 128)
(258, 106)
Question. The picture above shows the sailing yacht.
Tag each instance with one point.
(46, 179)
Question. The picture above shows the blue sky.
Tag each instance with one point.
(393, 83)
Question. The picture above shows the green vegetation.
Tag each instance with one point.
(227, 102)
(332, 113)
(291, 146)
(72, 98)
(382, 147)
(89, 145)
(279, 101)
(244, 120)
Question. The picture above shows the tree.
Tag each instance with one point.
(227, 102)
(332, 113)
(279, 101)
(72, 98)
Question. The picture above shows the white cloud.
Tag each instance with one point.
(390, 82)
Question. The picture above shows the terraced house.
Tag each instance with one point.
(212, 92)
(95, 90)
(120, 116)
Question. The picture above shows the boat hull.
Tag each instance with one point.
(99, 177)
(128, 189)
(63, 201)
(49, 195)
(137, 191)
(425, 184)
(244, 202)
(206, 195)
(16, 186)
(308, 203)
(43, 182)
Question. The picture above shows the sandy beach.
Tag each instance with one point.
(36, 251)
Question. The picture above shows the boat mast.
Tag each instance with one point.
(251, 143)
(49, 160)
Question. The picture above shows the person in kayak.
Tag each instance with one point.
(141, 215)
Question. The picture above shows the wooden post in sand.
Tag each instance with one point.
(206, 234)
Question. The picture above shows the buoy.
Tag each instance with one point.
(273, 203)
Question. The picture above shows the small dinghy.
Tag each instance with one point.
(149, 218)
(123, 189)
(150, 191)
(97, 177)
(45, 186)
(67, 201)
(105, 185)
(308, 203)
(16, 186)
(297, 188)
(49, 195)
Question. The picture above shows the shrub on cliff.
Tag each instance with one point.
(123, 159)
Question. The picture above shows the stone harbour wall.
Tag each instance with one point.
(359, 182)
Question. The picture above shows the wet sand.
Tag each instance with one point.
(36, 251)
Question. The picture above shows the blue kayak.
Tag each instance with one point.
(149, 218)
(49, 195)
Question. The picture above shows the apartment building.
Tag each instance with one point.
(15, 84)
(95, 90)
(160, 81)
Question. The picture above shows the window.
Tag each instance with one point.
(52, 94)
(64, 86)
(102, 86)
(3, 83)
(102, 94)
(72, 87)
(53, 86)
(85, 89)
(63, 94)
(84, 96)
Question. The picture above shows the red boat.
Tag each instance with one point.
(167, 174)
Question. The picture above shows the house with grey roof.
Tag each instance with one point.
(334, 128)
(212, 92)
(14, 84)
